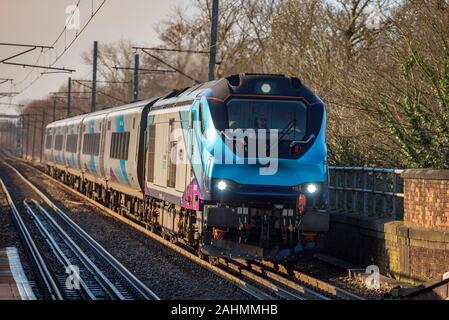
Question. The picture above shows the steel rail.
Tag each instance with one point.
(128, 278)
(96, 273)
(324, 287)
(35, 256)
(250, 285)
(245, 286)
(299, 288)
(281, 290)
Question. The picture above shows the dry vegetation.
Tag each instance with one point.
(381, 66)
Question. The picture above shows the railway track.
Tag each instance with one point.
(259, 279)
(95, 274)
(43, 273)
(295, 278)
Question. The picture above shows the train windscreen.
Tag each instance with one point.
(288, 117)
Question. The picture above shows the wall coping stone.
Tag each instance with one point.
(426, 174)
(390, 226)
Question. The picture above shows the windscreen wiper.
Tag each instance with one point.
(286, 129)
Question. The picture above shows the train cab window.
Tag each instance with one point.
(119, 145)
(91, 144)
(58, 142)
(288, 117)
(109, 125)
(48, 139)
(201, 117)
(72, 143)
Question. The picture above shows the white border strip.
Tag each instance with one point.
(26, 293)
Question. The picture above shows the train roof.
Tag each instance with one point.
(240, 84)
(137, 104)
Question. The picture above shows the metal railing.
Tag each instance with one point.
(374, 192)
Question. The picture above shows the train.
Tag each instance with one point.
(232, 168)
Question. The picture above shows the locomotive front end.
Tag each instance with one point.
(264, 154)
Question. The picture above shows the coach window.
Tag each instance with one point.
(112, 150)
(58, 142)
(72, 143)
(201, 118)
(48, 139)
(119, 145)
(125, 155)
(91, 144)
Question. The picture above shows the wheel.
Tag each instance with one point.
(214, 261)
(201, 255)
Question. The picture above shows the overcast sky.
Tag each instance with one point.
(41, 21)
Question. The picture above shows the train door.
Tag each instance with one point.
(143, 169)
(199, 130)
(79, 132)
(65, 133)
(172, 146)
(162, 150)
(81, 147)
(150, 151)
(102, 126)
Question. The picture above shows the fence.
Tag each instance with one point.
(372, 192)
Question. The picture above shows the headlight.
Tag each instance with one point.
(222, 185)
(266, 88)
(311, 188)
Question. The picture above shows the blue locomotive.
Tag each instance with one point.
(234, 167)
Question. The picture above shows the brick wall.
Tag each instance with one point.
(426, 198)
(402, 252)
(414, 250)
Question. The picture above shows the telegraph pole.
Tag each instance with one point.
(6, 134)
(94, 77)
(5, 128)
(12, 136)
(54, 108)
(213, 40)
(34, 138)
(9, 142)
(42, 134)
(22, 134)
(27, 135)
(136, 78)
(69, 97)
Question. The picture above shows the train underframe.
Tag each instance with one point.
(252, 232)
(171, 221)
(246, 232)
